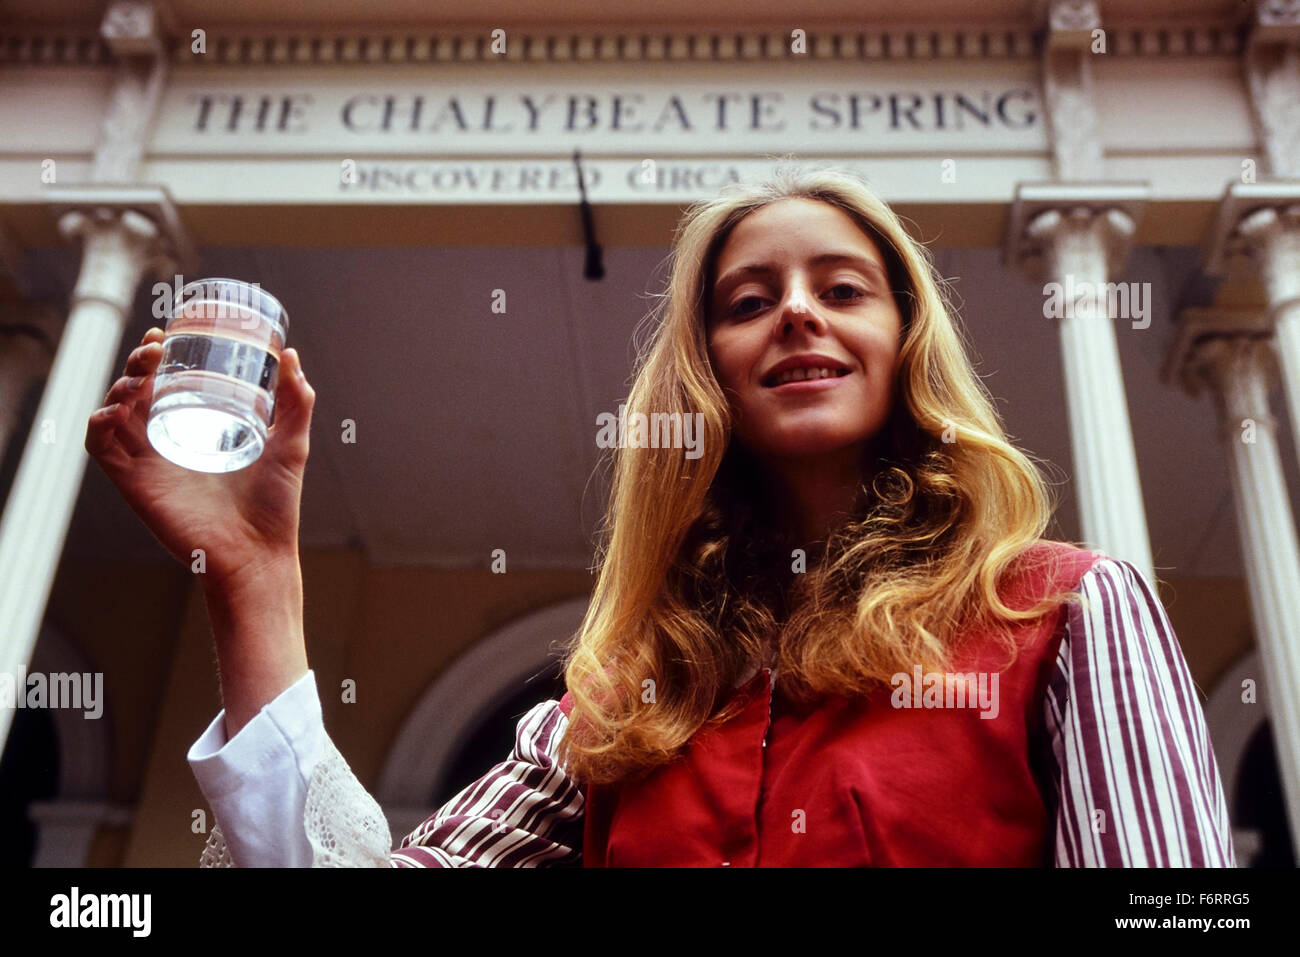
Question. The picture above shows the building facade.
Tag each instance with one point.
(1113, 187)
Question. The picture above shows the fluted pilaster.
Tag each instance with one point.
(1271, 236)
(1077, 244)
(118, 245)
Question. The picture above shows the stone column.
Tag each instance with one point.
(1074, 237)
(118, 245)
(124, 230)
(1271, 238)
(1262, 219)
(1229, 353)
(1075, 232)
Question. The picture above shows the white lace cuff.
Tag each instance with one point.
(345, 825)
(282, 795)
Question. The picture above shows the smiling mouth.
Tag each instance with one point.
(803, 375)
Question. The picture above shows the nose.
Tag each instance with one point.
(798, 308)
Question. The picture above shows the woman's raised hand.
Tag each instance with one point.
(240, 520)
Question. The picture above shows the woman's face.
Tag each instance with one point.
(803, 331)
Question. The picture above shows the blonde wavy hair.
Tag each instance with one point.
(693, 583)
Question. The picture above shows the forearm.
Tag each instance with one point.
(257, 627)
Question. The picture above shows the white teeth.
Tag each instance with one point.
(798, 375)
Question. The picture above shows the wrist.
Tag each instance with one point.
(271, 572)
(260, 603)
(257, 627)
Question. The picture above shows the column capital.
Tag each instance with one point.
(1225, 349)
(1241, 371)
(145, 211)
(1042, 214)
(1247, 212)
(1271, 236)
(1259, 224)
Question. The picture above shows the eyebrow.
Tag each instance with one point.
(764, 269)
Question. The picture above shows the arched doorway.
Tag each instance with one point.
(464, 722)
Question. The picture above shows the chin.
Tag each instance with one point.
(805, 444)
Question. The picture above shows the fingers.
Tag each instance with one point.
(101, 442)
(135, 390)
(293, 396)
(119, 425)
(126, 389)
(294, 400)
(115, 438)
(121, 422)
(132, 432)
(144, 359)
(135, 394)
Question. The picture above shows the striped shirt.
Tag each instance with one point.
(1134, 778)
(1136, 782)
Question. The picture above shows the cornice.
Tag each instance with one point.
(42, 45)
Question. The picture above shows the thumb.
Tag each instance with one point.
(294, 400)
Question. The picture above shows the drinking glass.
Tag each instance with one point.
(214, 391)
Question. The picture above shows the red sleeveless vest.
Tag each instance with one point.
(903, 777)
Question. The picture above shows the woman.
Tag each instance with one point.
(836, 637)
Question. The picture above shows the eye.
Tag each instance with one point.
(737, 311)
(854, 292)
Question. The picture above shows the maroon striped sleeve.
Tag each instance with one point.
(1135, 781)
(525, 812)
